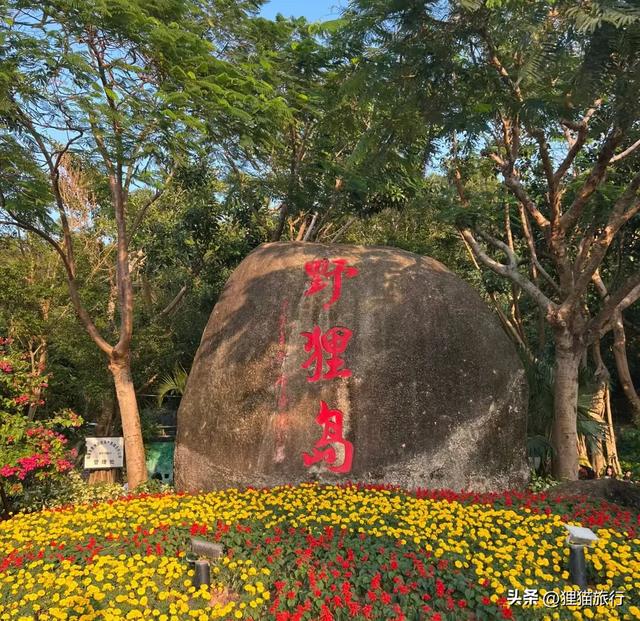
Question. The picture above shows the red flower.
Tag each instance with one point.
(375, 581)
(439, 587)
(198, 529)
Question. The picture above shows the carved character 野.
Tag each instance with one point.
(320, 272)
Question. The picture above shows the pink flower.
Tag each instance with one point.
(63, 465)
(8, 471)
(5, 367)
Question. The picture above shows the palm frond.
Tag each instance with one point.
(172, 383)
(588, 17)
(538, 446)
(591, 428)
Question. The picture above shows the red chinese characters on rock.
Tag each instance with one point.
(333, 342)
(325, 349)
(324, 449)
(321, 274)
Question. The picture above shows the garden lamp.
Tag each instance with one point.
(578, 538)
(202, 548)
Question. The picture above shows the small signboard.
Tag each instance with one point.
(104, 453)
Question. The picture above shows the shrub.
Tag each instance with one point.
(33, 451)
(628, 440)
(540, 483)
(72, 489)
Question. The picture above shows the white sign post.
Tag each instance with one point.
(104, 453)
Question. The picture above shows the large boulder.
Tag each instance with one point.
(350, 363)
(625, 493)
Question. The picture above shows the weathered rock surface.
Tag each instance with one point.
(625, 493)
(436, 396)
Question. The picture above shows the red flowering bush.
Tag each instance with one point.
(32, 450)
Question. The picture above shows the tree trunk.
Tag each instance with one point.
(598, 411)
(612, 449)
(131, 430)
(6, 509)
(582, 448)
(38, 368)
(622, 366)
(282, 218)
(601, 409)
(565, 404)
(98, 477)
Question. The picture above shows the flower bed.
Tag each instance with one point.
(313, 552)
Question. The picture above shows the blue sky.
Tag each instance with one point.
(313, 10)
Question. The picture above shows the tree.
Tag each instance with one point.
(323, 168)
(543, 97)
(122, 83)
(576, 220)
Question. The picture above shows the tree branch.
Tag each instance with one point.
(71, 283)
(576, 144)
(513, 183)
(537, 266)
(496, 63)
(624, 297)
(628, 151)
(621, 213)
(106, 87)
(55, 187)
(552, 184)
(134, 155)
(595, 178)
(334, 238)
(509, 271)
(169, 308)
(137, 221)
